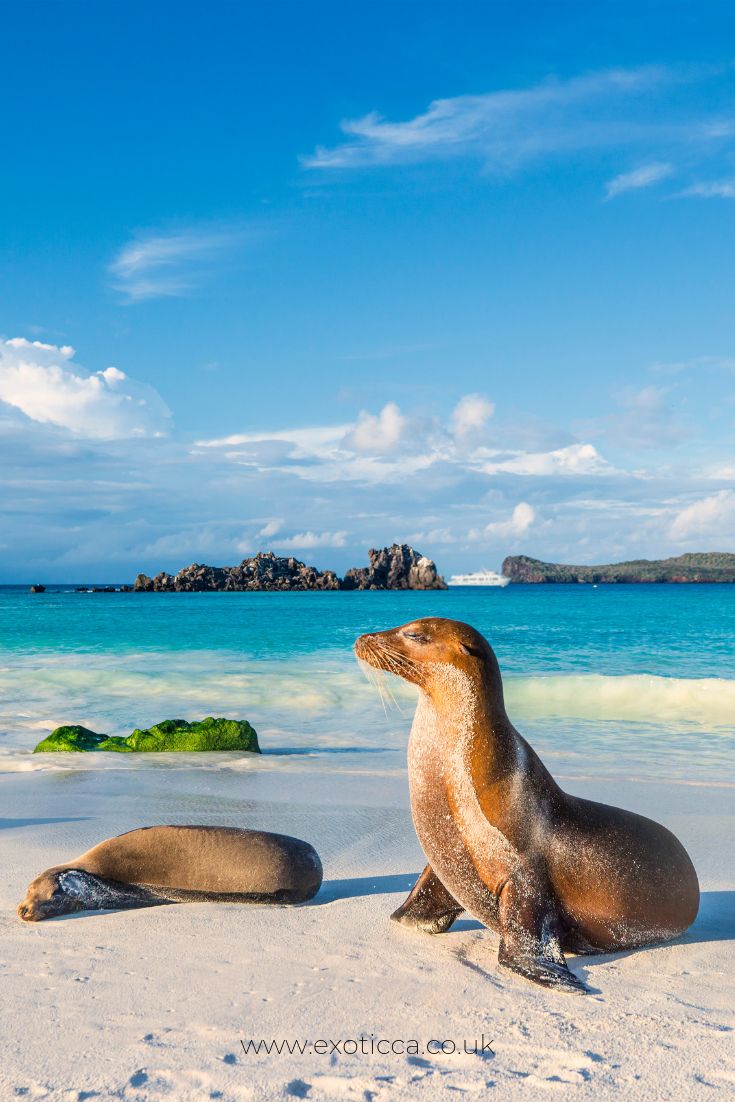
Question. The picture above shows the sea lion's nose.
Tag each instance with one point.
(29, 912)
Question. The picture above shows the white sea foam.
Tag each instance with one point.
(315, 705)
(146, 687)
(708, 702)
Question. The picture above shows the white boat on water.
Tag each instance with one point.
(479, 577)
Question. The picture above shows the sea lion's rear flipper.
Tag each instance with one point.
(529, 940)
(429, 907)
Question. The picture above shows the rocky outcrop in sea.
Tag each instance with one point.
(396, 567)
(264, 571)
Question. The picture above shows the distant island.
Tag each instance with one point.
(715, 566)
(395, 567)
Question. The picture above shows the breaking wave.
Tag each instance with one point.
(709, 701)
(318, 698)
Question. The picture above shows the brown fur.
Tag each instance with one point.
(504, 842)
(176, 863)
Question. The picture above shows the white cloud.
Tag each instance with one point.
(650, 398)
(644, 420)
(401, 448)
(576, 459)
(42, 381)
(517, 524)
(706, 517)
(170, 265)
(471, 413)
(680, 367)
(270, 529)
(375, 435)
(432, 537)
(642, 177)
(712, 189)
(372, 449)
(521, 520)
(303, 443)
(506, 129)
(306, 541)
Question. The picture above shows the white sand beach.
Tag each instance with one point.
(157, 1003)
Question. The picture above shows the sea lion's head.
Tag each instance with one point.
(419, 650)
(50, 894)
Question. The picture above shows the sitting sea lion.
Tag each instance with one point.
(177, 864)
(547, 870)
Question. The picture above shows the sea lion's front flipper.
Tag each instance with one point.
(529, 939)
(98, 893)
(429, 907)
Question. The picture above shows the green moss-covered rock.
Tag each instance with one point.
(76, 739)
(170, 735)
(204, 734)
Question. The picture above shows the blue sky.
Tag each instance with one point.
(318, 277)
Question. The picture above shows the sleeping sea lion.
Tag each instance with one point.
(547, 870)
(176, 864)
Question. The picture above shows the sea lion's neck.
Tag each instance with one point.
(458, 710)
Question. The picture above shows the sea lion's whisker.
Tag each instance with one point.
(382, 698)
(374, 670)
(367, 669)
(397, 653)
(390, 652)
(386, 685)
(392, 668)
(391, 694)
(393, 661)
(400, 661)
(370, 673)
(383, 660)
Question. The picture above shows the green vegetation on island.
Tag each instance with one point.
(714, 566)
(172, 735)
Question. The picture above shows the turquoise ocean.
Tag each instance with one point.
(629, 681)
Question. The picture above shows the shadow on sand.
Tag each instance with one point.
(332, 890)
(715, 921)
